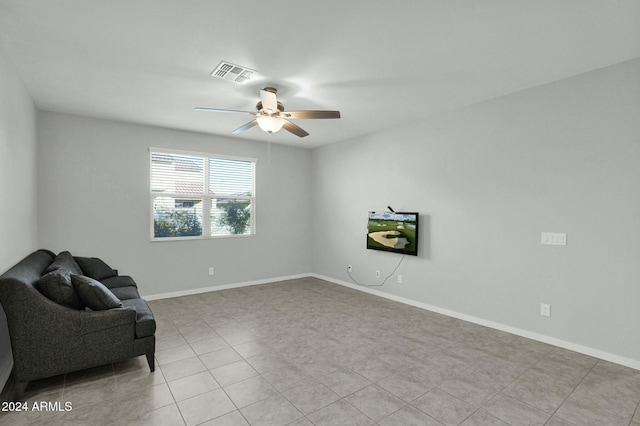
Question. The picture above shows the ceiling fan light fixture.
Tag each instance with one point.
(269, 123)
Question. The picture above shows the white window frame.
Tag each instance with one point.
(205, 196)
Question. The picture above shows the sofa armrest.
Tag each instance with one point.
(93, 321)
(119, 281)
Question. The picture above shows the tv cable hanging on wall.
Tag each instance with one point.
(383, 282)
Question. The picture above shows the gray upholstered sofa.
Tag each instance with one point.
(61, 321)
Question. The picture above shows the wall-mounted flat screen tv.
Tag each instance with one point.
(394, 232)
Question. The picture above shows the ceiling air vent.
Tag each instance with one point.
(232, 72)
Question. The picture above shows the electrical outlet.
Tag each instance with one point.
(211, 270)
(350, 268)
(545, 310)
(399, 279)
(377, 274)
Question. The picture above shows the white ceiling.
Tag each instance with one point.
(381, 63)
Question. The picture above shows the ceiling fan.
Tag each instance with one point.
(271, 116)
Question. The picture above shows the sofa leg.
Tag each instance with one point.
(18, 391)
(151, 361)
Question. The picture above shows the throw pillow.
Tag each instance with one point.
(56, 286)
(94, 294)
(64, 261)
(95, 268)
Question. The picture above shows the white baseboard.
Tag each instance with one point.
(222, 287)
(628, 362)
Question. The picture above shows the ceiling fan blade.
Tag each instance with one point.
(310, 114)
(223, 110)
(294, 128)
(269, 101)
(245, 127)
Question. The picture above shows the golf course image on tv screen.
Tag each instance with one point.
(394, 232)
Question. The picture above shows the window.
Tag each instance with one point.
(197, 195)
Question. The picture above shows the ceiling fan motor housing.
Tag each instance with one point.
(259, 106)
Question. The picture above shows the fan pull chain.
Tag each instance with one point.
(269, 148)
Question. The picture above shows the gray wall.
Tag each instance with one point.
(17, 184)
(94, 200)
(488, 179)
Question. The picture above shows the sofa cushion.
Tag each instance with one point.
(65, 262)
(125, 293)
(94, 294)
(119, 281)
(95, 268)
(57, 286)
(145, 324)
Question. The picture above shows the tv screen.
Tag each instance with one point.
(394, 232)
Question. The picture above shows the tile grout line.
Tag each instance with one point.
(571, 393)
(636, 412)
(519, 376)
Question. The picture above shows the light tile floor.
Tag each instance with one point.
(308, 352)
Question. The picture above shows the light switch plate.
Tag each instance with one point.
(554, 238)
